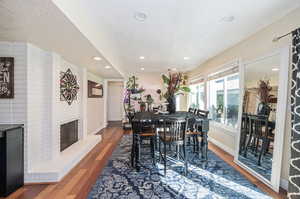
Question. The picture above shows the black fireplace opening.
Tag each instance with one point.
(68, 134)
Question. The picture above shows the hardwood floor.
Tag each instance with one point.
(77, 183)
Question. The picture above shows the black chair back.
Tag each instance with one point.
(258, 125)
(191, 110)
(202, 113)
(174, 130)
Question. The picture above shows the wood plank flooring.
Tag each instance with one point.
(77, 184)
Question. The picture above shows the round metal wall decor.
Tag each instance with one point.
(68, 86)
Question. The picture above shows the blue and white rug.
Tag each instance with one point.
(266, 164)
(208, 180)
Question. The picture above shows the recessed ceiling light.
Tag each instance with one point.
(141, 57)
(227, 19)
(275, 69)
(186, 58)
(107, 67)
(140, 16)
(97, 58)
(142, 68)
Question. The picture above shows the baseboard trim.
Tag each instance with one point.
(99, 129)
(221, 145)
(284, 184)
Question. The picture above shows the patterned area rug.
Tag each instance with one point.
(266, 164)
(206, 179)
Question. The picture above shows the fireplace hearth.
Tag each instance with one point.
(68, 134)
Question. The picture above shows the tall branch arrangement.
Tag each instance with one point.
(264, 90)
(175, 83)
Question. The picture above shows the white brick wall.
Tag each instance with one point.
(14, 110)
(39, 65)
(37, 105)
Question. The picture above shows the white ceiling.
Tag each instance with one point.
(174, 28)
(81, 29)
(40, 22)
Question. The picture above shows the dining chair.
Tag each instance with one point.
(199, 135)
(141, 130)
(202, 113)
(195, 111)
(174, 134)
(258, 136)
(191, 110)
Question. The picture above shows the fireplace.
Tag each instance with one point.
(68, 134)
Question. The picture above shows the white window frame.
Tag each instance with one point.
(205, 94)
(226, 127)
(235, 63)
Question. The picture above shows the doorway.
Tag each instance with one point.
(115, 102)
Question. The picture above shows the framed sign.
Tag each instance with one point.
(95, 90)
(6, 77)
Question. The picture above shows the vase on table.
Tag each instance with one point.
(171, 107)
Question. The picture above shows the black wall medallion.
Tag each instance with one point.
(68, 87)
(6, 77)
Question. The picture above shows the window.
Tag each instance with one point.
(223, 99)
(197, 96)
(177, 98)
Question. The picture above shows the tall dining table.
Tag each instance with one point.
(151, 119)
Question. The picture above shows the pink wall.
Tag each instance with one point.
(150, 82)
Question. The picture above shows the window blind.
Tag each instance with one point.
(226, 69)
(197, 80)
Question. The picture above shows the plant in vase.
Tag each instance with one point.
(132, 93)
(149, 101)
(265, 97)
(142, 106)
(175, 83)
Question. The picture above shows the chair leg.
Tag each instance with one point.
(137, 158)
(256, 146)
(177, 151)
(185, 155)
(152, 150)
(165, 159)
(247, 145)
(159, 149)
(202, 145)
(268, 146)
(263, 148)
(206, 146)
(133, 151)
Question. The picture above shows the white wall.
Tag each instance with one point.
(95, 109)
(115, 101)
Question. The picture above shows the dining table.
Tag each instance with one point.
(153, 118)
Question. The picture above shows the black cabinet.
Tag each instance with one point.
(11, 158)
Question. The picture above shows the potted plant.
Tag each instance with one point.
(142, 106)
(175, 83)
(265, 97)
(149, 101)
